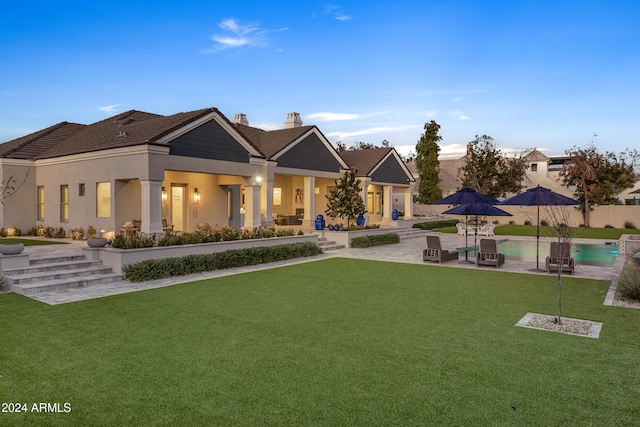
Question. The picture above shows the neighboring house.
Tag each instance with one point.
(186, 169)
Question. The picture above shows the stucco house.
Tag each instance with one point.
(184, 170)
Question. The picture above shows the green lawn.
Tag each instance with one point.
(30, 242)
(530, 230)
(337, 342)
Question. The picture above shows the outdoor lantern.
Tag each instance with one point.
(196, 196)
(164, 195)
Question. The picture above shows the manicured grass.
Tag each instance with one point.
(337, 342)
(31, 242)
(530, 230)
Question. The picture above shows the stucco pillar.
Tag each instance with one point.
(309, 201)
(151, 211)
(408, 202)
(252, 197)
(266, 195)
(365, 197)
(387, 204)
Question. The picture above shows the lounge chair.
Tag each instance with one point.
(461, 228)
(434, 251)
(560, 258)
(488, 254)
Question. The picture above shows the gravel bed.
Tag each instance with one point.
(570, 326)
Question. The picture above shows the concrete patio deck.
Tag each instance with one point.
(407, 251)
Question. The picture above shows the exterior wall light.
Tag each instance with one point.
(196, 196)
(164, 195)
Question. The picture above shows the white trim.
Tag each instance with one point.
(105, 154)
(16, 162)
(322, 139)
(219, 120)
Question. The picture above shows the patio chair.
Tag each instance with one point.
(488, 254)
(560, 258)
(461, 228)
(165, 226)
(434, 251)
(487, 230)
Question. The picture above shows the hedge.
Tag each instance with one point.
(375, 240)
(436, 224)
(169, 267)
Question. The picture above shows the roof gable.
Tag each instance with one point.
(380, 164)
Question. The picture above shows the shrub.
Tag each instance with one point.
(168, 267)
(608, 226)
(527, 222)
(629, 225)
(544, 223)
(92, 232)
(629, 285)
(377, 240)
(50, 232)
(435, 224)
(77, 234)
(133, 241)
(512, 222)
(60, 233)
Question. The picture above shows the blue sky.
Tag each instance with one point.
(531, 74)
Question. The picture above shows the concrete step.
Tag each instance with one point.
(57, 264)
(59, 284)
(327, 245)
(54, 259)
(61, 273)
(411, 233)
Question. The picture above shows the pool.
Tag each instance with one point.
(584, 253)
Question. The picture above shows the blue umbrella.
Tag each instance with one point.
(539, 196)
(475, 209)
(466, 196)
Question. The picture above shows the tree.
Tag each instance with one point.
(345, 200)
(361, 145)
(489, 172)
(597, 177)
(428, 165)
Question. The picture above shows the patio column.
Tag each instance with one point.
(151, 212)
(387, 204)
(408, 202)
(309, 201)
(266, 194)
(252, 206)
(365, 197)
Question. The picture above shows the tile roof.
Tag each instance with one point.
(33, 145)
(123, 130)
(364, 160)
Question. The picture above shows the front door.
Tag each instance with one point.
(178, 207)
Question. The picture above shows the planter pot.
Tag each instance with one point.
(11, 248)
(97, 242)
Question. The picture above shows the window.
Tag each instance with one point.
(534, 167)
(103, 200)
(40, 203)
(81, 190)
(64, 203)
(277, 196)
(370, 202)
(378, 206)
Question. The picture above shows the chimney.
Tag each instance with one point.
(293, 121)
(241, 119)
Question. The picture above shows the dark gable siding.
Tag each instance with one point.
(209, 141)
(311, 154)
(390, 171)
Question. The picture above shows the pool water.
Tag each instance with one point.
(583, 253)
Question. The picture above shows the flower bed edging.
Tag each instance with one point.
(117, 258)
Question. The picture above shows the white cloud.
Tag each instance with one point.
(342, 17)
(238, 35)
(369, 131)
(458, 115)
(110, 109)
(329, 116)
(332, 10)
(452, 151)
